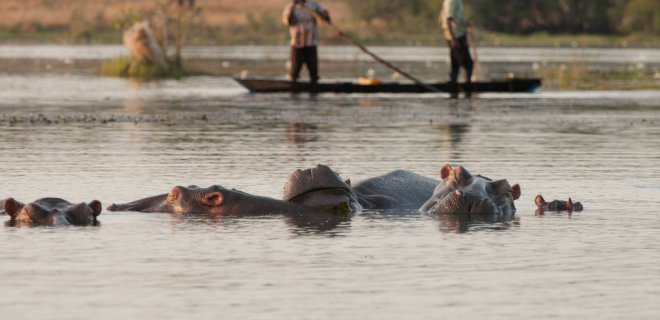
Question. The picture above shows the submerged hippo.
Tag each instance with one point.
(320, 187)
(556, 205)
(314, 190)
(52, 212)
(460, 192)
(399, 189)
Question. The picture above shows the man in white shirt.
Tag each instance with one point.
(304, 35)
(455, 30)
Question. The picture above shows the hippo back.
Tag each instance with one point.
(399, 189)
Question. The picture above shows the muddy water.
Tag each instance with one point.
(85, 138)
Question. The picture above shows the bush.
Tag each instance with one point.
(126, 68)
(516, 16)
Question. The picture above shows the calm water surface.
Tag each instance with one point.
(84, 138)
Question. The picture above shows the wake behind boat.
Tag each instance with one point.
(262, 85)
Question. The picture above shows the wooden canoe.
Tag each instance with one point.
(256, 85)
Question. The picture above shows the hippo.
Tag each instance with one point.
(399, 189)
(460, 192)
(52, 212)
(319, 189)
(556, 205)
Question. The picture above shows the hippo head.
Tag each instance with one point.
(556, 205)
(193, 199)
(460, 192)
(52, 212)
(320, 187)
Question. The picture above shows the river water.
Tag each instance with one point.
(83, 137)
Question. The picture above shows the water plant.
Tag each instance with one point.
(172, 22)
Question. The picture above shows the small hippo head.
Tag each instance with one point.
(556, 205)
(52, 212)
(460, 192)
(320, 187)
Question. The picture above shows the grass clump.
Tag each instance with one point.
(127, 68)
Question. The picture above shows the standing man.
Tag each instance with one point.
(455, 30)
(298, 15)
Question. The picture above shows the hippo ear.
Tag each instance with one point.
(174, 195)
(445, 171)
(213, 199)
(539, 201)
(515, 191)
(463, 177)
(12, 207)
(96, 207)
(348, 182)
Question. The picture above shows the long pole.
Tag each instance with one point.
(367, 51)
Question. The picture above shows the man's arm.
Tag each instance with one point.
(323, 13)
(450, 26)
(288, 16)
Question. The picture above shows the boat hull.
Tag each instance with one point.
(268, 85)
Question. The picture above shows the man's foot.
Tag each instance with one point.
(453, 95)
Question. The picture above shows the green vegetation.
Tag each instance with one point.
(407, 16)
(611, 23)
(642, 15)
(126, 68)
(172, 23)
(520, 17)
(552, 16)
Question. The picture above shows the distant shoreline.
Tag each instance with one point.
(484, 39)
(560, 68)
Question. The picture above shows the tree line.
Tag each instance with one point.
(519, 16)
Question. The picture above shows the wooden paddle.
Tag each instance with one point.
(367, 51)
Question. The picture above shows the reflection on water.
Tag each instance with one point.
(121, 141)
(26, 224)
(318, 223)
(540, 213)
(465, 222)
(299, 133)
